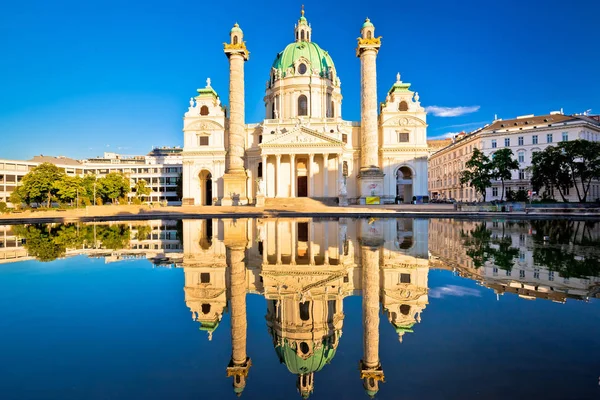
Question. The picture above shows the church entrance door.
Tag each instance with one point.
(303, 186)
(209, 192)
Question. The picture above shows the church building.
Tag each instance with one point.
(304, 147)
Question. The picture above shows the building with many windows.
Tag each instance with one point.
(161, 169)
(524, 135)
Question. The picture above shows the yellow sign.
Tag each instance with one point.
(372, 200)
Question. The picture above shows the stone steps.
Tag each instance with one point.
(300, 203)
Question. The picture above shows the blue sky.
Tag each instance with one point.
(80, 78)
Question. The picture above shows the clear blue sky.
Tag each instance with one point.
(78, 78)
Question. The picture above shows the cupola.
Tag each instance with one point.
(302, 29)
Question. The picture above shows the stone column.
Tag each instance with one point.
(235, 174)
(278, 176)
(325, 175)
(371, 242)
(264, 174)
(311, 182)
(293, 241)
(292, 175)
(235, 247)
(370, 176)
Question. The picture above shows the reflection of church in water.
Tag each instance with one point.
(305, 269)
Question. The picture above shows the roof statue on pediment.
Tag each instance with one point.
(303, 137)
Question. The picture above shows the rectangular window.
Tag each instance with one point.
(494, 191)
(495, 271)
(565, 136)
(403, 137)
(345, 137)
(404, 278)
(521, 141)
(521, 174)
(534, 139)
(204, 277)
(494, 145)
(506, 142)
(551, 275)
(203, 140)
(549, 138)
(521, 156)
(522, 274)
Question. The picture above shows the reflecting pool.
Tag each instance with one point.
(299, 308)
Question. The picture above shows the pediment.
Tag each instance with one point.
(301, 137)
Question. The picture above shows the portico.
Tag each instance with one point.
(301, 163)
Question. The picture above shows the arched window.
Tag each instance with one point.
(205, 308)
(405, 309)
(304, 347)
(259, 173)
(235, 40)
(369, 35)
(332, 109)
(204, 110)
(403, 106)
(302, 35)
(305, 310)
(302, 105)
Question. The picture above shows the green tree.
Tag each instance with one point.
(38, 184)
(582, 159)
(503, 164)
(549, 171)
(113, 186)
(114, 237)
(141, 190)
(18, 197)
(68, 188)
(3, 207)
(478, 172)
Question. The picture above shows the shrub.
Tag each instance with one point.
(3, 207)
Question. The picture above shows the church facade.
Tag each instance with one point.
(304, 147)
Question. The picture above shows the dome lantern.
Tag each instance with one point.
(302, 30)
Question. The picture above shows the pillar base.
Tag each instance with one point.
(235, 184)
(343, 200)
(260, 201)
(370, 184)
(188, 201)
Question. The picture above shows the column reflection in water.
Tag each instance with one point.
(305, 269)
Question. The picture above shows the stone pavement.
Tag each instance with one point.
(310, 208)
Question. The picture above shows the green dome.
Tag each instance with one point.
(299, 366)
(367, 23)
(311, 51)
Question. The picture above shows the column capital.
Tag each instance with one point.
(278, 157)
(292, 156)
(311, 157)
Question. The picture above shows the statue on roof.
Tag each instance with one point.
(207, 82)
(398, 77)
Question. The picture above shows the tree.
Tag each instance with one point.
(477, 244)
(18, 197)
(68, 188)
(113, 186)
(38, 184)
(141, 190)
(549, 171)
(478, 173)
(502, 166)
(582, 159)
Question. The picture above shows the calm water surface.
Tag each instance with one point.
(298, 308)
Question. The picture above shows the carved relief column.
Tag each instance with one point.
(370, 176)
(235, 247)
(235, 174)
(311, 183)
(292, 175)
(371, 241)
(278, 176)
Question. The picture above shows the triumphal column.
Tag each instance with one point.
(235, 177)
(235, 239)
(370, 177)
(371, 242)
